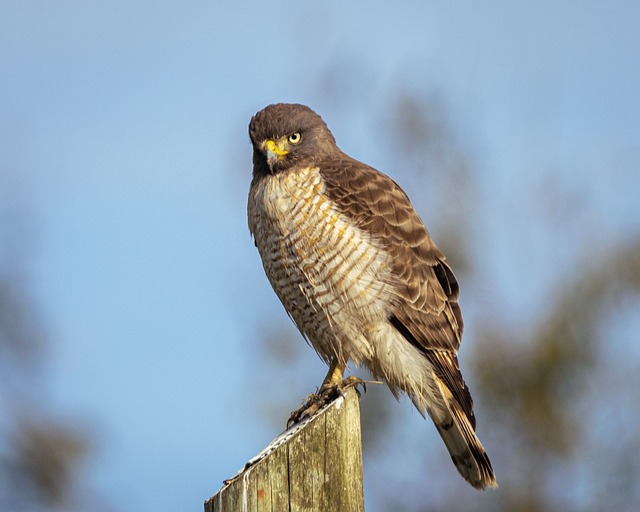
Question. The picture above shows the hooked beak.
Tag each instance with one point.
(273, 152)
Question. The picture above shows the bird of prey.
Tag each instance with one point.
(357, 271)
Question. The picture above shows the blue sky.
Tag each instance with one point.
(123, 135)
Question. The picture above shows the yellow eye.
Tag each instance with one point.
(295, 138)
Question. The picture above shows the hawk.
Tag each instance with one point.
(357, 271)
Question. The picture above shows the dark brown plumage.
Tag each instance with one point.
(358, 273)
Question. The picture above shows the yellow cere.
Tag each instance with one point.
(270, 145)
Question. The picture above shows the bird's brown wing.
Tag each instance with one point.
(426, 313)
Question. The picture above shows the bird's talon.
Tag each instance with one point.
(324, 396)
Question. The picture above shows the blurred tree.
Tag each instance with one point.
(40, 454)
(556, 389)
(569, 379)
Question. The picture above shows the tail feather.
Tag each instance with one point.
(466, 450)
(433, 382)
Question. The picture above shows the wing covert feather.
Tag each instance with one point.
(427, 304)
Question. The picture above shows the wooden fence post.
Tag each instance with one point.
(316, 466)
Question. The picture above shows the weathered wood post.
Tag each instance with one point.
(316, 467)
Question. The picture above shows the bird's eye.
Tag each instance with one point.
(295, 138)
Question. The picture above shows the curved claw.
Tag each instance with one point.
(353, 382)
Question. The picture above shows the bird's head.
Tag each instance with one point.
(286, 134)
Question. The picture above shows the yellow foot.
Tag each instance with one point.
(327, 394)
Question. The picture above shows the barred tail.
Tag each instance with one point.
(458, 433)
